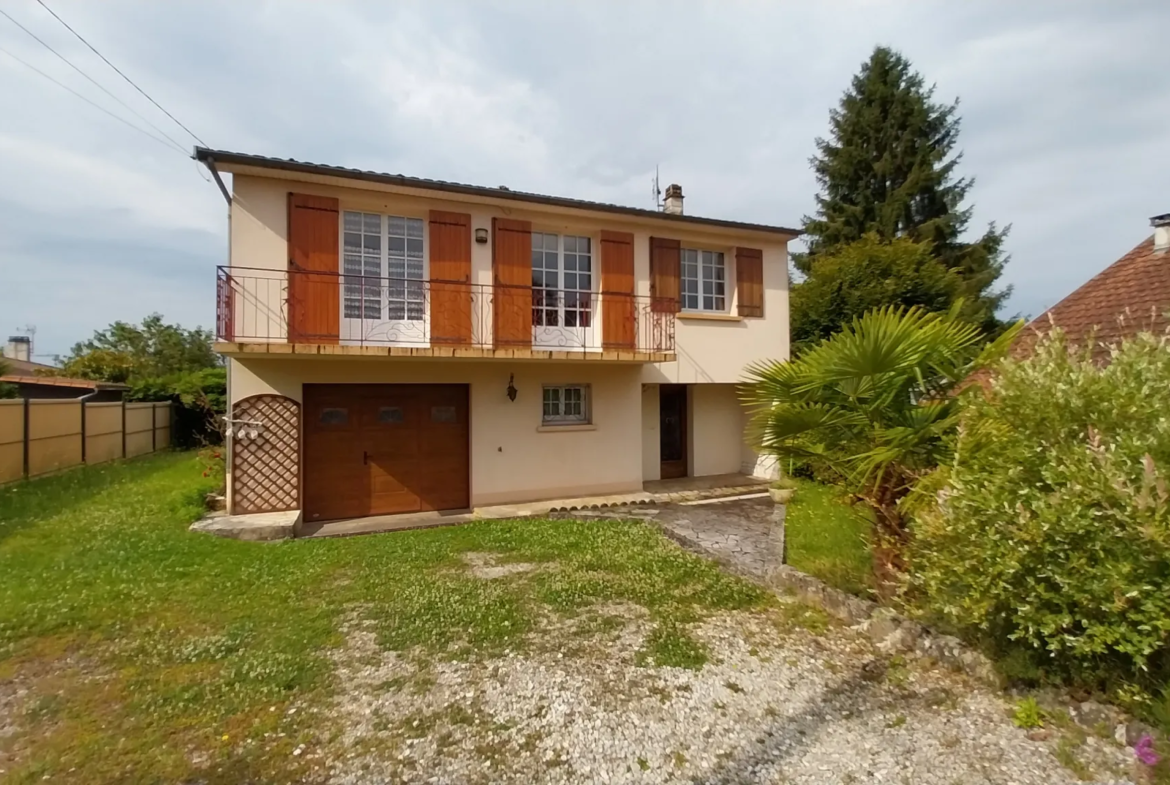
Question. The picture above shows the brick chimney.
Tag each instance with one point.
(1161, 224)
(673, 203)
(19, 348)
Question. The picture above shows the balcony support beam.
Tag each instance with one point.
(301, 350)
(209, 162)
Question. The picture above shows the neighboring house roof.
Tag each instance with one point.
(230, 159)
(61, 381)
(1129, 296)
(25, 366)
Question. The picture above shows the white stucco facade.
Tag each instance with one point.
(512, 457)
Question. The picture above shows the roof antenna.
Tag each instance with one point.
(656, 192)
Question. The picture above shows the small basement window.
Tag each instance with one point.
(566, 404)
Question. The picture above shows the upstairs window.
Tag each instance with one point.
(703, 281)
(562, 280)
(382, 261)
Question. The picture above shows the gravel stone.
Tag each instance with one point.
(776, 703)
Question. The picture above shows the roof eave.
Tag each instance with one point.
(225, 160)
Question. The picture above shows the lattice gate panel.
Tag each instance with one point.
(266, 470)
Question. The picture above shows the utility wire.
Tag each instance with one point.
(91, 103)
(101, 87)
(128, 79)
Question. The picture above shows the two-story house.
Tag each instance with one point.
(397, 344)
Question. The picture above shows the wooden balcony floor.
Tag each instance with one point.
(247, 348)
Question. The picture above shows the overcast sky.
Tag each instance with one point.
(1065, 106)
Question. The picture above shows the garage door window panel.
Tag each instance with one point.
(333, 416)
(391, 415)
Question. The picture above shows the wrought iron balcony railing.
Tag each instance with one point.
(285, 306)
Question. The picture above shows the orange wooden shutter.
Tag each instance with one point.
(749, 281)
(618, 316)
(664, 271)
(314, 250)
(225, 306)
(450, 285)
(512, 276)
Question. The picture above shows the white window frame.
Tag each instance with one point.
(560, 335)
(409, 328)
(562, 398)
(705, 288)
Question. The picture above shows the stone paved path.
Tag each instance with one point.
(735, 533)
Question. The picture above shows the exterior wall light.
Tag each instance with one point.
(481, 235)
(511, 387)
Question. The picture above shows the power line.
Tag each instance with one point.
(142, 131)
(128, 79)
(101, 87)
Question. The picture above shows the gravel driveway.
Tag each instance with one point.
(787, 697)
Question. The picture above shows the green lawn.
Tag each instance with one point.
(132, 650)
(828, 537)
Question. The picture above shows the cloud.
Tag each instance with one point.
(1064, 122)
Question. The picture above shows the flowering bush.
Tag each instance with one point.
(1051, 526)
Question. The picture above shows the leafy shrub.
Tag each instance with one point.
(1051, 530)
(866, 274)
(199, 401)
(1028, 714)
(6, 390)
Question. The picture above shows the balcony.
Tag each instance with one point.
(262, 311)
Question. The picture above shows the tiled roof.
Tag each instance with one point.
(228, 159)
(1129, 296)
(25, 366)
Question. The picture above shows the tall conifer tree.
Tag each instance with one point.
(889, 168)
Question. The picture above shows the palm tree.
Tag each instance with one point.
(873, 405)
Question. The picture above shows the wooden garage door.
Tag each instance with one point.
(378, 449)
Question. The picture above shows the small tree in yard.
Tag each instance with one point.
(160, 362)
(866, 274)
(873, 406)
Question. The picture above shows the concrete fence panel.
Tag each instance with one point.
(54, 436)
(162, 425)
(11, 440)
(103, 432)
(139, 429)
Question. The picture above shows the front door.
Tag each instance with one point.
(672, 429)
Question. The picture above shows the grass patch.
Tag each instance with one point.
(795, 614)
(670, 645)
(828, 538)
(1066, 752)
(153, 654)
